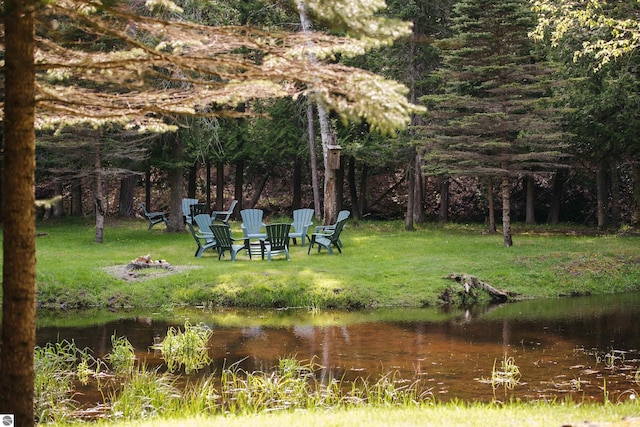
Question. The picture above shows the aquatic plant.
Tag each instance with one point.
(188, 348)
(508, 376)
(122, 356)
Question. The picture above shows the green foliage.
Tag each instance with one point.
(122, 356)
(188, 348)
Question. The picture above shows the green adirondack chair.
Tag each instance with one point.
(203, 241)
(329, 239)
(327, 229)
(277, 241)
(225, 242)
(153, 217)
(223, 216)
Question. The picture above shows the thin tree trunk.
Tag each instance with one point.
(353, 188)
(220, 187)
(492, 206)
(339, 187)
(553, 216)
(127, 185)
(58, 207)
(192, 180)
(239, 183)
(315, 181)
(443, 208)
(258, 191)
(411, 180)
(364, 189)
(98, 191)
(530, 215)
(506, 212)
(601, 193)
(208, 181)
(147, 190)
(18, 337)
(419, 214)
(616, 210)
(296, 202)
(635, 203)
(76, 197)
(176, 183)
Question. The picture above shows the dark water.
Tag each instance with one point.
(579, 348)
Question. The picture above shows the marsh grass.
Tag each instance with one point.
(372, 270)
(188, 348)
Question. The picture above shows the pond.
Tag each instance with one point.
(585, 349)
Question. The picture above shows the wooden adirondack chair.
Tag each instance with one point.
(223, 216)
(327, 229)
(203, 239)
(302, 220)
(328, 240)
(225, 242)
(153, 217)
(277, 241)
(186, 209)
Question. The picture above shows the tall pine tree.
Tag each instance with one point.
(493, 117)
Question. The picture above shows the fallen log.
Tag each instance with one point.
(469, 282)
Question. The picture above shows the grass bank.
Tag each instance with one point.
(531, 415)
(381, 265)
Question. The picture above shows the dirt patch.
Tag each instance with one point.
(132, 274)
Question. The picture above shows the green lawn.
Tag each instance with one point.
(381, 265)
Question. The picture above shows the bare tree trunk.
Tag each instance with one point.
(220, 187)
(419, 214)
(98, 191)
(296, 202)
(553, 216)
(616, 210)
(192, 180)
(635, 203)
(353, 188)
(411, 180)
(443, 208)
(364, 189)
(208, 182)
(601, 193)
(127, 185)
(176, 183)
(18, 336)
(339, 187)
(492, 206)
(258, 191)
(530, 215)
(76, 197)
(315, 181)
(239, 184)
(147, 190)
(58, 207)
(506, 212)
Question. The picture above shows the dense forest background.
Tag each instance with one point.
(569, 153)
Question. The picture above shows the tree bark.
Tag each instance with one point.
(616, 210)
(506, 212)
(220, 187)
(147, 190)
(296, 201)
(98, 191)
(553, 216)
(315, 180)
(192, 180)
(443, 208)
(364, 189)
(176, 184)
(411, 180)
(76, 197)
(239, 183)
(530, 215)
(635, 203)
(18, 336)
(127, 185)
(601, 193)
(419, 215)
(58, 207)
(208, 182)
(492, 206)
(353, 188)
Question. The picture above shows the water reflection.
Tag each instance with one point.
(559, 345)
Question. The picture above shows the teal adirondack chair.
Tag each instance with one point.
(203, 237)
(153, 217)
(252, 224)
(225, 242)
(186, 209)
(329, 239)
(223, 216)
(327, 229)
(302, 220)
(277, 241)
